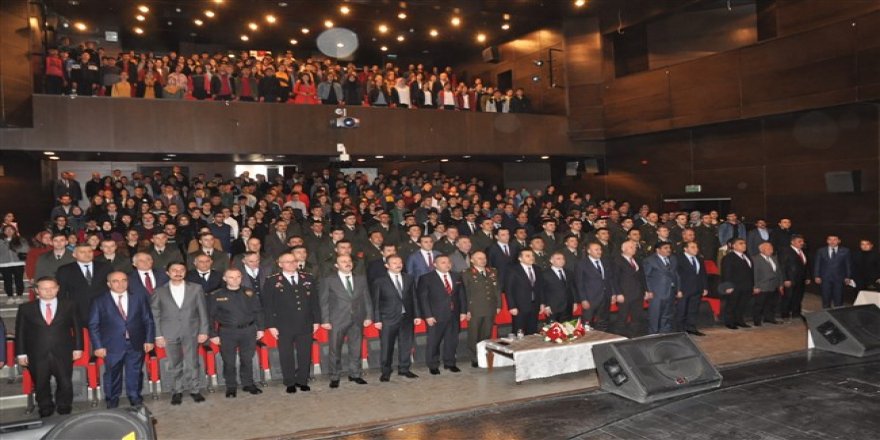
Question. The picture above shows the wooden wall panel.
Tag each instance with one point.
(705, 90)
(800, 15)
(868, 56)
(732, 145)
(638, 103)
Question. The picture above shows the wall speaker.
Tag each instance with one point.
(120, 423)
(491, 55)
(654, 367)
(843, 181)
(854, 331)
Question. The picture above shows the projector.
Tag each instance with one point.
(343, 120)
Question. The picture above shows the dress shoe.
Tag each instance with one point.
(334, 383)
(197, 397)
(757, 323)
(385, 378)
(357, 380)
(434, 371)
(475, 364)
(731, 326)
(743, 325)
(253, 389)
(774, 322)
(303, 387)
(291, 389)
(230, 394)
(47, 413)
(408, 374)
(696, 333)
(453, 369)
(64, 411)
(176, 398)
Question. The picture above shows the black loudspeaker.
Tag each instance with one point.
(853, 331)
(654, 367)
(843, 181)
(491, 55)
(121, 423)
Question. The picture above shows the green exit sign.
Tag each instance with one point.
(693, 188)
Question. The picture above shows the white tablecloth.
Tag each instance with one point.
(533, 358)
(867, 297)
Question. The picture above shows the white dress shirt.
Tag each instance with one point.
(177, 292)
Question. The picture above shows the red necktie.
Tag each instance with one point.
(447, 284)
(430, 259)
(803, 259)
(148, 283)
(633, 264)
(119, 306)
(48, 314)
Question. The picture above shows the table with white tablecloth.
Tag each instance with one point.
(534, 358)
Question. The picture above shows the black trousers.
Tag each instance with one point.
(402, 334)
(54, 85)
(765, 306)
(832, 293)
(295, 352)
(631, 321)
(13, 276)
(792, 297)
(42, 371)
(598, 314)
(687, 309)
(526, 320)
(244, 341)
(479, 329)
(734, 306)
(442, 333)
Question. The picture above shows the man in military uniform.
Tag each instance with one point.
(412, 244)
(537, 245)
(290, 301)
(484, 301)
(236, 320)
(343, 247)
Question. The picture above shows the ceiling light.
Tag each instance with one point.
(506, 16)
(400, 38)
(434, 32)
(138, 31)
(580, 3)
(177, 10)
(380, 157)
(505, 26)
(166, 158)
(328, 24)
(536, 78)
(170, 22)
(54, 158)
(344, 10)
(383, 29)
(209, 13)
(245, 38)
(80, 25)
(198, 22)
(362, 160)
(171, 155)
(545, 157)
(253, 26)
(268, 159)
(270, 19)
(293, 41)
(384, 48)
(140, 17)
(465, 157)
(481, 37)
(143, 8)
(455, 21)
(49, 153)
(402, 15)
(218, 2)
(282, 4)
(232, 55)
(538, 63)
(305, 30)
(444, 160)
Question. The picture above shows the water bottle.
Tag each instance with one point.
(520, 334)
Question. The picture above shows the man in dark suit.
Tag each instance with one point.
(664, 286)
(631, 291)
(219, 259)
(832, 270)
(253, 271)
(549, 234)
(180, 313)
(694, 286)
(736, 270)
(795, 276)
(346, 309)
(443, 304)
(290, 302)
(121, 330)
(524, 290)
(559, 290)
(144, 280)
(68, 185)
(376, 268)
(502, 253)
(47, 334)
(111, 256)
(205, 276)
(396, 313)
(483, 288)
(161, 254)
(48, 263)
(82, 280)
(485, 237)
(572, 252)
(421, 261)
(595, 286)
(275, 243)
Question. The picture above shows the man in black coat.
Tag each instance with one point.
(208, 278)
(396, 313)
(524, 290)
(795, 277)
(82, 280)
(737, 271)
(595, 286)
(443, 304)
(502, 253)
(558, 289)
(48, 339)
(631, 292)
(694, 286)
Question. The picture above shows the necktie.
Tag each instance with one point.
(506, 252)
(482, 273)
(833, 253)
(632, 263)
(599, 268)
(430, 259)
(292, 280)
(398, 285)
(121, 309)
(531, 276)
(803, 259)
(746, 260)
(348, 285)
(48, 314)
(148, 283)
(447, 284)
(561, 274)
(58, 257)
(665, 261)
(88, 275)
(205, 276)
(694, 264)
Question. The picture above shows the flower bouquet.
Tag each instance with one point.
(561, 332)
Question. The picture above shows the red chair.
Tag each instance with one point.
(27, 388)
(211, 351)
(86, 363)
(502, 318)
(370, 332)
(321, 337)
(715, 305)
(10, 357)
(264, 345)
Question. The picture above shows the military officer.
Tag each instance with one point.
(290, 302)
(484, 301)
(236, 322)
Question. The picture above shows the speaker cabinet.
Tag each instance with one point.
(854, 331)
(491, 55)
(654, 367)
(120, 423)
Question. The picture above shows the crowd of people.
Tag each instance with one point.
(174, 261)
(88, 70)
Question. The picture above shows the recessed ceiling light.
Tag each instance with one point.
(481, 37)
(54, 158)
(328, 24)
(209, 13)
(580, 3)
(465, 157)
(506, 16)
(198, 22)
(293, 41)
(282, 4)
(270, 19)
(166, 158)
(362, 160)
(80, 26)
(434, 32)
(218, 2)
(401, 38)
(49, 153)
(177, 10)
(455, 21)
(305, 30)
(505, 26)
(170, 23)
(383, 29)
(444, 160)
(545, 157)
(268, 159)
(245, 38)
(253, 26)
(140, 17)
(402, 15)
(138, 31)
(344, 10)
(171, 155)
(380, 157)
(384, 48)
(143, 8)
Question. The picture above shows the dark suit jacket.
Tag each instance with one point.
(266, 269)
(520, 293)
(107, 328)
(291, 308)
(661, 280)
(435, 303)
(692, 283)
(832, 270)
(793, 268)
(135, 285)
(121, 262)
(557, 294)
(215, 280)
(416, 264)
(73, 286)
(735, 270)
(499, 261)
(36, 339)
(388, 304)
(629, 282)
(169, 254)
(590, 285)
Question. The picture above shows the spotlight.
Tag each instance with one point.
(80, 26)
(383, 28)
(434, 32)
(538, 63)
(384, 48)
(402, 15)
(198, 22)
(138, 31)
(505, 26)
(580, 3)
(293, 41)
(245, 38)
(536, 78)
(140, 17)
(328, 24)
(270, 19)
(209, 13)
(455, 21)
(344, 10)
(305, 30)
(400, 38)
(481, 37)
(253, 26)
(143, 8)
